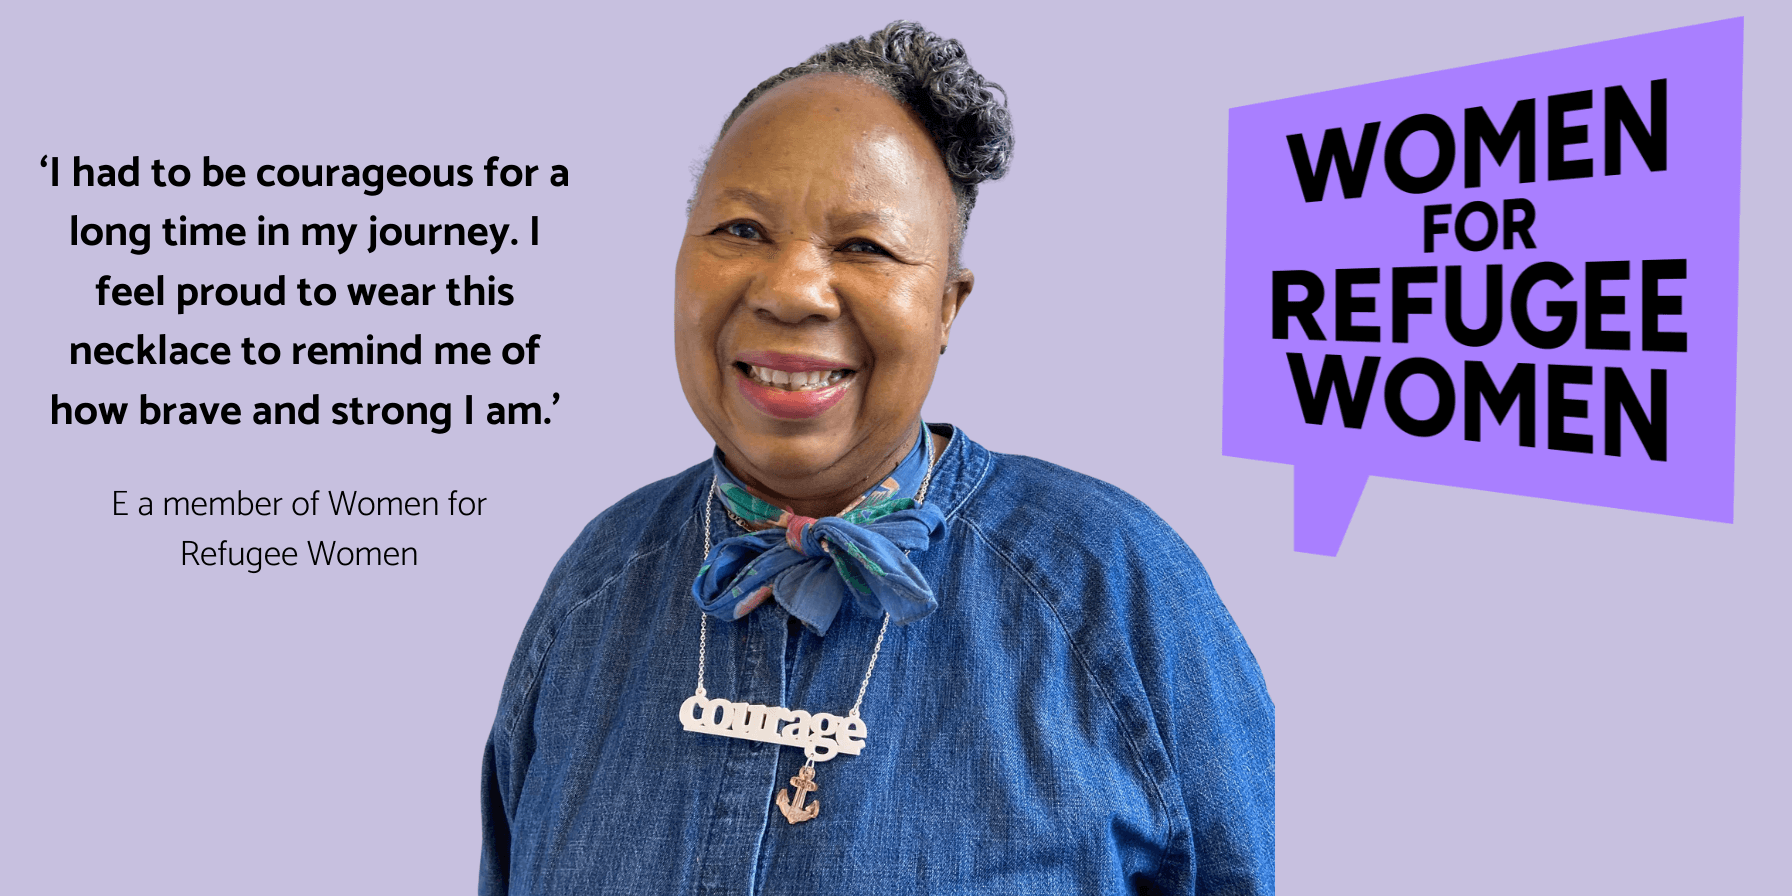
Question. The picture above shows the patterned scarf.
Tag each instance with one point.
(809, 565)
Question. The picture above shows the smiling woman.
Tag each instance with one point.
(1026, 676)
(815, 288)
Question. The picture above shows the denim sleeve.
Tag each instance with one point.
(1217, 723)
(495, 819)
(1149, 629)
(511, 743)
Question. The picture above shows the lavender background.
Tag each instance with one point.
(1483, 693)
(1686, 211)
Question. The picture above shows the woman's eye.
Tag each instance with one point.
(742, 229)
(864, 247)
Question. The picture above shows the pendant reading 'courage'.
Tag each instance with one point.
(822, 735)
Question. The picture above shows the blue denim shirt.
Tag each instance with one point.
(1080, 715)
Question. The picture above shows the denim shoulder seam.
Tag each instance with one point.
(544, 642)
(1076, 647)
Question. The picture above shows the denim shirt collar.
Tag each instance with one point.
(958, 472)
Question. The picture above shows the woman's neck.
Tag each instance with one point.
(833, 503)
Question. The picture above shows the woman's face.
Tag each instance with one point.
(814, 291)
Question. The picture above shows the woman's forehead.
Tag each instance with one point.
(829, 131)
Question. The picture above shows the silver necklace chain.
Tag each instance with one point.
(703, 625)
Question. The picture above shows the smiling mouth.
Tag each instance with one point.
(792, 381)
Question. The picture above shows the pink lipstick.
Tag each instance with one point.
(791, 387)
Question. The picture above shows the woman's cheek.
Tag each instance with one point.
(898, 317)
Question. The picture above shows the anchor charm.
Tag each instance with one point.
(794, 810)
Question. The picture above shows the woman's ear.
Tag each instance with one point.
(958, 288)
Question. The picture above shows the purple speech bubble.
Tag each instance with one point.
(1359, 340)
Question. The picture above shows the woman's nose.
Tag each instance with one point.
(797, 286)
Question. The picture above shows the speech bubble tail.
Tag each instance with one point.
(1325, 499)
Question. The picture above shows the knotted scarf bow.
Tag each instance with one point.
(811, 565)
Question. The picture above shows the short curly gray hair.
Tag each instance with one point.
(932, 76)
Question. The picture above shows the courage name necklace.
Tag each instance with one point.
(822, 735)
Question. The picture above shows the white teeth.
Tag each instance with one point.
(796, 381)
